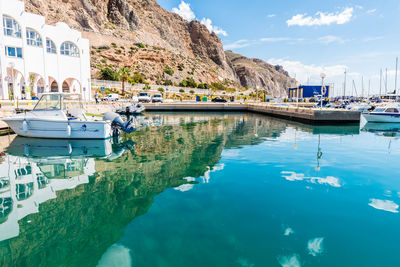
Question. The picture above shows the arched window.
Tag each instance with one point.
(69, 49)
(33, 38)
(11, 27)
(51, 46)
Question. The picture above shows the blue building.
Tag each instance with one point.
(308, 91)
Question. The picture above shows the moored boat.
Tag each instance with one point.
(387, 114)
(61, 116)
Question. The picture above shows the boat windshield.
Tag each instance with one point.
(71, 102)
(49, 102)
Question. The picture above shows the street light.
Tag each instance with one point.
(323, 89)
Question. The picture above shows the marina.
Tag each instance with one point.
(199, 133)
(191, 184)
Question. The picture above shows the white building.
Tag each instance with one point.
(37, 58)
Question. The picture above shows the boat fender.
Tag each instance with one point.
(69, 130)
(69, 149)
(25, 126)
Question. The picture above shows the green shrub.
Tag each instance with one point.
(104, 61)
(192, 91)
(138, 78)
(181, 91)
(168, 70)
(188, 82)
(140, 45)
(113, 45)
(161, 90)
(181, 67)
(203, 86)
(168, 82)
(108, 74)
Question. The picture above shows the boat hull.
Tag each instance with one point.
(60, 129)
(382, 118)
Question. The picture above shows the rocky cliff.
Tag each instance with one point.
(255, 73)
(140, 34)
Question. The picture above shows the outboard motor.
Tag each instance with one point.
(118, 124)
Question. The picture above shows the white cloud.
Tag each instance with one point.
(208, 23)
(371, 11)
(386, 205)
(271, 16)
(239, 44)
(290, 261)
(322, 18)
(184, 11)
(315, 246)
(329, 39)
(274, 39)
(292, 176)
(312, 72)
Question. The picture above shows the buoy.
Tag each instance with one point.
(25, 126)
(69, 130)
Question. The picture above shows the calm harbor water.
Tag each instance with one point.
(204, 190)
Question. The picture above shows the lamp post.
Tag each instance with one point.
(323, 90)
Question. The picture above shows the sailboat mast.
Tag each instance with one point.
(395, 79)
(380, 85)
(386, 82)
(362, 86)
(345, 81)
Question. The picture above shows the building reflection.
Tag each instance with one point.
(30, 177)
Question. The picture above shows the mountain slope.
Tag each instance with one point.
(140, 34)
(257, 74)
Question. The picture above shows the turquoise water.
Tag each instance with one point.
(204, 190)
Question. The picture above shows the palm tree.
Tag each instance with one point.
(124, 73)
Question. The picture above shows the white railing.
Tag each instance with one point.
(97, 84)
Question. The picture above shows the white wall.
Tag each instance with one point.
(36, 60)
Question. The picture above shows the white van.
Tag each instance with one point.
(144, 97)
(111, 97)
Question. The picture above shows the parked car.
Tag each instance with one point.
(219, 100)
(144, 97)
(111, 97)
(157, 98)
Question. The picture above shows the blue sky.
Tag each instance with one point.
(308, 37)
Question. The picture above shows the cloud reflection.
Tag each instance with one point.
(315, 246)
(289, 261)
(386, 205)
(292, 176)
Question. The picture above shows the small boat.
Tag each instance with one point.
(388, 114)
(361, 107)
(61, 116)
(133, 109)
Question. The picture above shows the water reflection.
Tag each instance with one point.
(66, 203)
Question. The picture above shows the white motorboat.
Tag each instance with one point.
(388, 114)
(61, 116)
(134, 109)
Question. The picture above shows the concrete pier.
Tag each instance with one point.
(307, 115)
